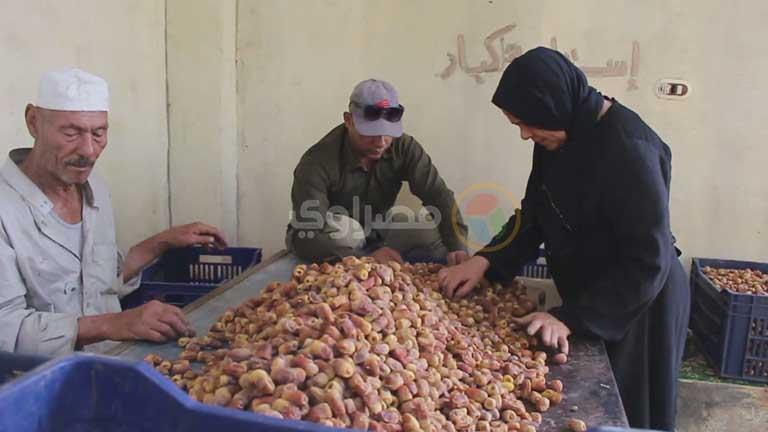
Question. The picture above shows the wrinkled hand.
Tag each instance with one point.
(457, 257)
(193, 234)
(461, 279)
(385, 254)
(554, 333)
(153, 321)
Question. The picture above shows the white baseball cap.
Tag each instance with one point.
(72, 90)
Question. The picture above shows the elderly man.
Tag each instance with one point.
(61, 275)
(345, 186)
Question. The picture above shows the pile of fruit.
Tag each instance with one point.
(745, 281)
(371, 346)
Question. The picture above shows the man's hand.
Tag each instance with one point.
(153, 321)
(150, 249)
(192, 234)
(457, 257)
(461, 279)
(554, 333)
(385, 254)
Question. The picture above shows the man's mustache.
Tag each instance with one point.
(81, 162)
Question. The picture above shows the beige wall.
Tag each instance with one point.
(253, 83)
(299, 61)
(202, 112)
(123, 41)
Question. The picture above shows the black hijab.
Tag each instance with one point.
(544, 89)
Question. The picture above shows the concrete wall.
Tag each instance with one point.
(123, 41)
(202, 112)
(252, 83)
(299, 61)
(713, 407)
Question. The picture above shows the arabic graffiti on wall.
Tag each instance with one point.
(501, 53)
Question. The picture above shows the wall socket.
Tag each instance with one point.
(672, 88)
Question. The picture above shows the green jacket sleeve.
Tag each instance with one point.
(426, 183)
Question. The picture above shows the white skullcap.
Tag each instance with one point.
(72, 90)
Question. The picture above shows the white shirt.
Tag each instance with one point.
(45, 286)
(71, 234)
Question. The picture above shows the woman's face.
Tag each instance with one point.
(549, 139)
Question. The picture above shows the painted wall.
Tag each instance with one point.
(251, 84)
(298, 62)
(202, 87)
(124, 42)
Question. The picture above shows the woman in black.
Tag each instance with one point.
(598, 198)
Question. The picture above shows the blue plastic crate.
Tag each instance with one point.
(13, 365)
(85, 392)
(537, 269)
(94, 393)
(183, 275)
(731, 329)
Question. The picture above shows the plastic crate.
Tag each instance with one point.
(537, 269)
(183, 275)
(87, 392)
(13, 365)
(731, 329)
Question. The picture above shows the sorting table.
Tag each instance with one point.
(588, 378)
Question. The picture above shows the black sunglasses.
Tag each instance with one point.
(373, 112)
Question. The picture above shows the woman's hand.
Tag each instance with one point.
(554, 333)
(459, 280)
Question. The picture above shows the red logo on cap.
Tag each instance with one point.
(384, 103)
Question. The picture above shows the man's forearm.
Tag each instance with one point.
(142, 254)
(453, 232)
(455, 237)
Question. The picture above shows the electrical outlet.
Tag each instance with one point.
(672, 88)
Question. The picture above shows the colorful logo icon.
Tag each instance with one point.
(486, 207)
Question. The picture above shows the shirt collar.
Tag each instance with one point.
(19, 181)
(351, 162)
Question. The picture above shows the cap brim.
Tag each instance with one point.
(378, 127)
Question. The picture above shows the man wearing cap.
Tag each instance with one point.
(345, 186)
(61, 274)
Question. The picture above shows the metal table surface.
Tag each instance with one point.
(588, 378)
